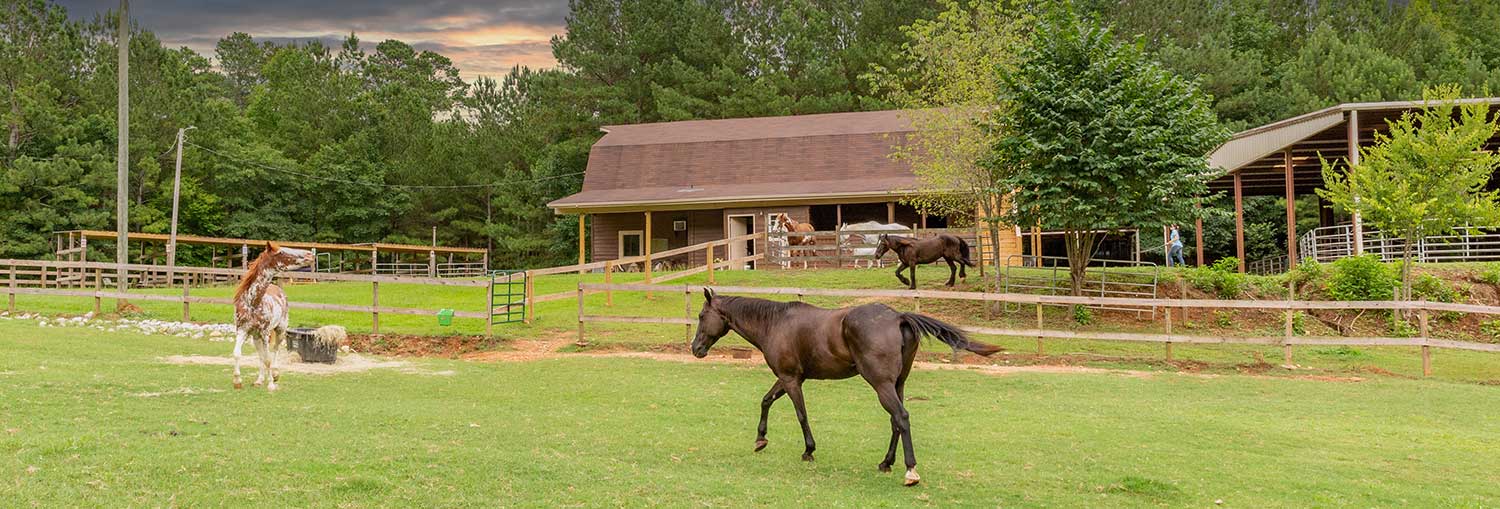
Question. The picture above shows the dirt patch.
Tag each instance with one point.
(403, 345)
(290, 363)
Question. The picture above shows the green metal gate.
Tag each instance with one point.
(507, 296)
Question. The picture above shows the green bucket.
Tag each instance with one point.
(445, 317)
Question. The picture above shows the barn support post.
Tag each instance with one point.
(890, 212)
(1239, 222)
(1291, 211)
(583, 220)
(1359, 224)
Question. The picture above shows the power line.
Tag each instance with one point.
(376, 184)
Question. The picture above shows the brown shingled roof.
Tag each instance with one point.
(763, 159)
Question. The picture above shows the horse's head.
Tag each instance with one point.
(882, 244)
(284, 259)
(712, 325)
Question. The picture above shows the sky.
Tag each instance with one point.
(482, 37)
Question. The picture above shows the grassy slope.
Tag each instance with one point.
(557, 320)
(591, 431)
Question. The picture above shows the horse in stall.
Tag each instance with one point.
(913, 252)
(803, 342)
(260, 310)
(789, 225)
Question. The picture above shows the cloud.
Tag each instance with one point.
(481, 37)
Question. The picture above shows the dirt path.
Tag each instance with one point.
(290, 363)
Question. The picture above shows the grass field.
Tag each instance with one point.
(556, 320)
(90, 418)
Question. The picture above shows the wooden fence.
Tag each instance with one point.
(92, 279)
(1287, 340)
(846, 248)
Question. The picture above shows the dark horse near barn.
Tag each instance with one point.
(913, 252)
(804, 342)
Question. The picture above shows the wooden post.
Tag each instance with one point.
(890, 212)
(582, 240)
(489, 308)
(1169, 334)
(581, 341)
(186, 314)
(708, 254)
(917, 304)
(1426, 350)
(1359, 224)
(42, 283)
(11, 295)
(1040, 350)
(1239, 222)
(1286, 344)
(1291, 212)
(374, 307)
(530, 307)
(646, 248)
(609, 276)
(687, 313)
(98, 287)
(1198, 235)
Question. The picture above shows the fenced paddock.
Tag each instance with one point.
(854, 248)
(1167, 338)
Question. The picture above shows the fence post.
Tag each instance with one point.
(609, 273)
(709, 257)
(1286, 343)
(374, 307)
(1426, 350)
(11, 295)
(185, 312)
(489, 308)
(1169, 334)
(1040, 350)
(687, 313)
(581, 341)
(98, 287)
(530, 292)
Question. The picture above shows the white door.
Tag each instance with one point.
(741, 225)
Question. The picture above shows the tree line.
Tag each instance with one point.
(363, 142)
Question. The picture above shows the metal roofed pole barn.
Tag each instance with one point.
(1283, 158)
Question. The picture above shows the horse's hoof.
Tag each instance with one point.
(760, 444)
(807, 456)
(271, 387)
(911, 478)
(239, 385)
(884, 468)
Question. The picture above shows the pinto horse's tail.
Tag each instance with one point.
(925, 325)
(963, 251)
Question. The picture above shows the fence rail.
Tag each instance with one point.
(90, 279)
(1287, 340)
(843, 248)
(1329, 243)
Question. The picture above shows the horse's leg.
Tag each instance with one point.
(765, 409)
(239, 344)
(265, 359)
(952, 270)
(890, 398)
(913, 266)
(793, 388)
(901, 277)
(274, 348)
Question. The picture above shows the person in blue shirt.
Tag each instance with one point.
(1174, 248)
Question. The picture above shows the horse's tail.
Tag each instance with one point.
(963, 252)
(947, 333)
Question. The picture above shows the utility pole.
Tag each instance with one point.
(176, 194)
(122, 155)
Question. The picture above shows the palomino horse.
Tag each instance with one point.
(913, 252)
(789, 225)
(803, 342)
(260, 310)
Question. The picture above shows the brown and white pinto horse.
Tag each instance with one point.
(260, 310)
(790, 226)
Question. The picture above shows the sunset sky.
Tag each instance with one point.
(483, 37)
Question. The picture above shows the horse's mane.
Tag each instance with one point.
(252, 273)
(760, 310)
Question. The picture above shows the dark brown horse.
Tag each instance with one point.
(803, 342)
(913, 252)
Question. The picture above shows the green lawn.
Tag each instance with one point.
(557, 319)
(79, 427)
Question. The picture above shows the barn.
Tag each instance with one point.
(703, 180)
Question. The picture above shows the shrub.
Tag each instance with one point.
(1490, 328)
(1082, 315)
(1361, 278)
(1401, 328)
(1224, 318)
(1222, 278)
(1490, 274)
(1299, 322)
(1430, 287)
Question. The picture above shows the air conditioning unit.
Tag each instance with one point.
(679, 226)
